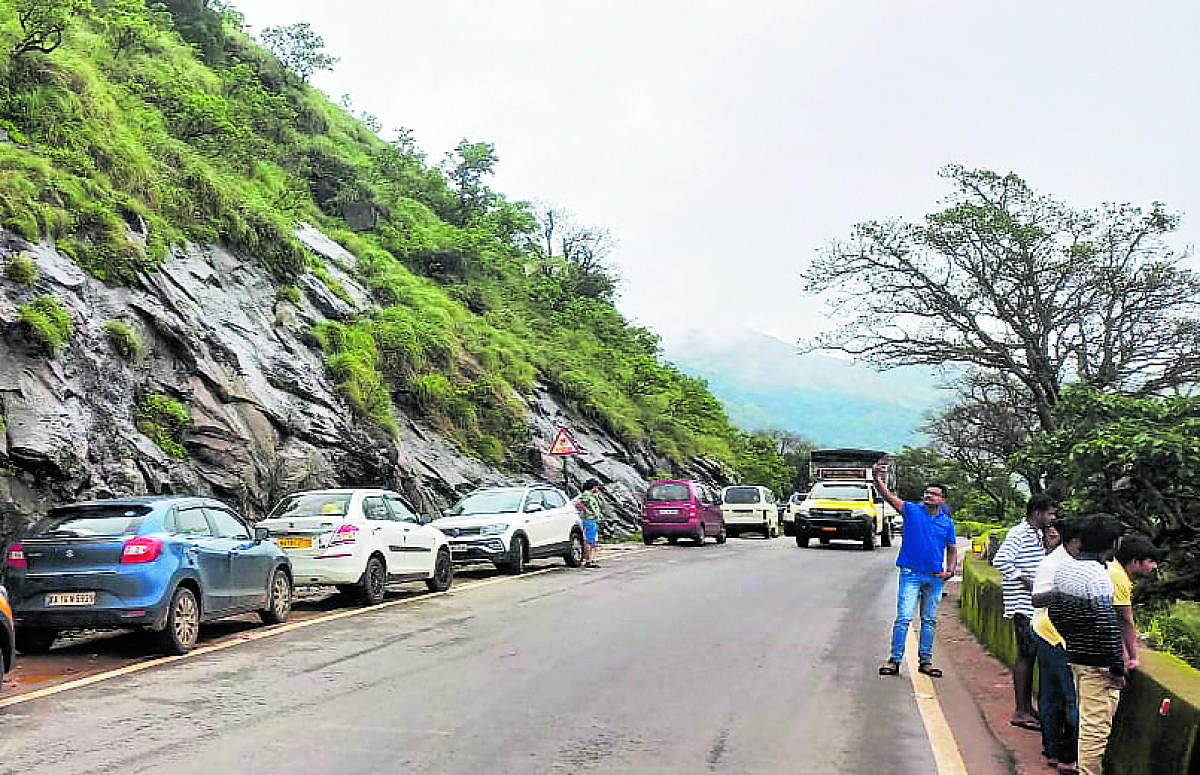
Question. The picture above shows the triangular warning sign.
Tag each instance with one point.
(564, 444)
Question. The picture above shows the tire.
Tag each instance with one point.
(869, 540)
(802, 540)
(773, 533)
(722, 536)
(443, 572)
(279, 599)
(373, 584)
(574, 555)
(647, 539)
(732, 532)
(183, 623)
(35, 641)
(515, 564)
(699, 537)
(885, 538)
(673, 539)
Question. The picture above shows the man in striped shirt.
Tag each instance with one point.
(1018, 559)
(1081, 609)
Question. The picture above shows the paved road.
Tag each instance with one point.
(755, 656)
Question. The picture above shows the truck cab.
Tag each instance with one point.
(845, 503)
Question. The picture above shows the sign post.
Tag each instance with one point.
(564, 446)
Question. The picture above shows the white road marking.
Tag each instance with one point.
(269, 632)
(946, 754)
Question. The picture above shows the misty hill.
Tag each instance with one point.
(763, 382)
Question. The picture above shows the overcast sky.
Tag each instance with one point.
(723, 143)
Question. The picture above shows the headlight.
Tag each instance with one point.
(861, 513)
(491, 530)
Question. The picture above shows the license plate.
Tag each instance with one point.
(294, 543)
(668, 511)
(70, 598)
(830, 529)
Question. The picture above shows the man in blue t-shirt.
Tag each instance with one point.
(928, 535)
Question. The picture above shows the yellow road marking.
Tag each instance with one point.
(268, 632)
(946, 754)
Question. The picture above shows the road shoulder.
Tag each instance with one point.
(977, 697)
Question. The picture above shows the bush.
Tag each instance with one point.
(47, 323)
(288, 293)
(22, 270)
(125, 340)
(164, 421)
(1173, 628)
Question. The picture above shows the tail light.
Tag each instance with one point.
(690, 510)
(141, 549)
(15, 556)
(346, 534)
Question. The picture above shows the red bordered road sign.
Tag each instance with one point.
(563, 444)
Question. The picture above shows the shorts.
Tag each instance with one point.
(1026, 641)
(591, 531)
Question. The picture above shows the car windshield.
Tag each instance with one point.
(668, 492)
(91, 522)
(313, 504)
(488, 502)
(839, 492)
(741, 495)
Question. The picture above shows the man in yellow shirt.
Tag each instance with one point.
(1136, 557)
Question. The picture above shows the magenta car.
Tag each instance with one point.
(681, 508)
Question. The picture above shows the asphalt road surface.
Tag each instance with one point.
(755, 656)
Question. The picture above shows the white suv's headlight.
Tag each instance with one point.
(491, 530)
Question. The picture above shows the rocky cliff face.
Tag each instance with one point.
(267, 418)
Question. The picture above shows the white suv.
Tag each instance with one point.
(510, 526)
(749, 508)
(359, 540)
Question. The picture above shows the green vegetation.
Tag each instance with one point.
(155, 124)
(288, 293)
(125, 340)
(164, 421)
(47, 323)
(22, 270)
(1173, 627)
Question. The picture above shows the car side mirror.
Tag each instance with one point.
(261, 534)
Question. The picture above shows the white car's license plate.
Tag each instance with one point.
(70, 598)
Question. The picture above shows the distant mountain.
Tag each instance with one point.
(765, 383)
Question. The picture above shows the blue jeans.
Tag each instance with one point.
(914, 584)
(1057, 706)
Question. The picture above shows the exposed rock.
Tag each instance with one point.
(267, 419)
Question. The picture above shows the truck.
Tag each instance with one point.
(844, 502)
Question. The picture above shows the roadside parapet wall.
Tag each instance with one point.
(1144, 738)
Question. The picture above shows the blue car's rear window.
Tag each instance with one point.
(91, 522)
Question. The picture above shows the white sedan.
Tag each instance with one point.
(359, 540)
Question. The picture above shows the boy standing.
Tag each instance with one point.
(590, 519)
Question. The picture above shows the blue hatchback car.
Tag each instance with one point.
(162, 563)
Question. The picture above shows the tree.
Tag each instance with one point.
(1024, 289)
(1137, 458)
(43, 23)
(466, 168)
(298, 48)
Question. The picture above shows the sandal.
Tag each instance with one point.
(928, 669)
(891, 668)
